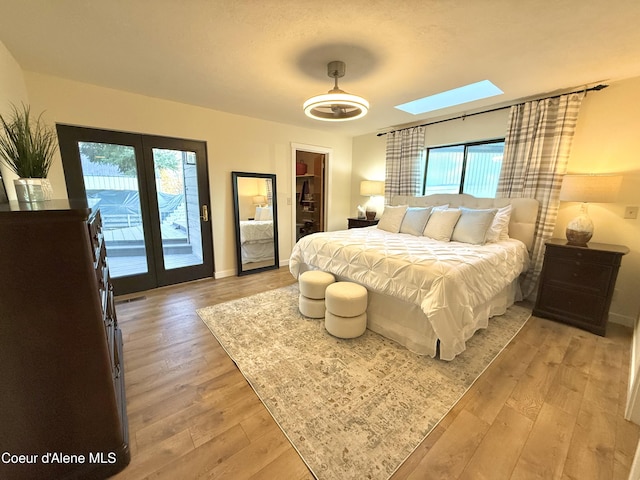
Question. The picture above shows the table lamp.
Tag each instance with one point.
(587, 189)
(259, 200)
(371, 188)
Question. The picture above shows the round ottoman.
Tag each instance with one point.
(313, 284)
(346, 309)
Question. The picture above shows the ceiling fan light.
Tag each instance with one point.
(336, 105)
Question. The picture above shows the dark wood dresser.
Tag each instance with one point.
(62, 398)
(576, 284)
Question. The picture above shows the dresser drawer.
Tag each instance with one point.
(579, 275)
(95, 231)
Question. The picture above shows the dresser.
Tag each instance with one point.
(577, 283)
(360, 222)
(62, 396)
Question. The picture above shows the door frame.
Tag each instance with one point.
(157, 275)
(328, 153)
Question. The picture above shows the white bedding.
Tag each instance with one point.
(447, 280)
(255, 230)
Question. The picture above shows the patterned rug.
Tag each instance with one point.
(352, 408)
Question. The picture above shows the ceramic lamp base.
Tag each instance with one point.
(580, 230)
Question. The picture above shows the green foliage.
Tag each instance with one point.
(124, 156)
(27, 146)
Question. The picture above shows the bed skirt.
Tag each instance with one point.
(407, 324)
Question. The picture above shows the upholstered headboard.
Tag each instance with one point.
(523, 216)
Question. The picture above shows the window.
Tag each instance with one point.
(472, 168)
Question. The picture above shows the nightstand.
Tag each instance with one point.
(361, 222)
(576, 283)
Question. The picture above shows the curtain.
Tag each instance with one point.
(536, 152)
(405, 162)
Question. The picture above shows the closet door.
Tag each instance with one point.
(153, 195)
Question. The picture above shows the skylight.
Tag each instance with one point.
(457, 96)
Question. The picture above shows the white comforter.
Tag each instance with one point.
(256, 230)
(446, 279)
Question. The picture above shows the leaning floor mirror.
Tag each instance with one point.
(256, 221)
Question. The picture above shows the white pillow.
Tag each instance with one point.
(391, 218)
(264, 213)
(499, 229)
(473, 225)
(415, 219)
(441, 224)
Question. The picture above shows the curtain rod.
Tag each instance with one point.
(596, 88)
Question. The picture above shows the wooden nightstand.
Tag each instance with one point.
(576, 283)
(361, 222)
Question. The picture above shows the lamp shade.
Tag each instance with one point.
(590, 188)
(370, 188)
(259, 199)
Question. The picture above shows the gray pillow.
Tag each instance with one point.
(415, 219)
(473, 225)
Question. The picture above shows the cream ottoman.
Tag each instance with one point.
(346, 304)
(313, 284)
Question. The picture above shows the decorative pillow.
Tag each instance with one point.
(391, 218)
(499, 229)
(263, 213)
(415, 219)
(473, 225)
(441, 224)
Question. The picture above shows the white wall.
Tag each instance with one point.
(233, 143)
(13, 90)
(605, 141)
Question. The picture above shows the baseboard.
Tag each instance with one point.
(224, 273)
(622, 320)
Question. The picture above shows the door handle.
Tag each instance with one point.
(205, 213)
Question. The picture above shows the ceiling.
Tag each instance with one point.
(264, 58)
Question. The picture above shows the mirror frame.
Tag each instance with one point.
(236, 214)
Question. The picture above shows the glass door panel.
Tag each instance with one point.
(111, 183)
(178, 207)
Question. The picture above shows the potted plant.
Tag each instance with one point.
(27, 147)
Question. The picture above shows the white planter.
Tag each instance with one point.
(33, 189)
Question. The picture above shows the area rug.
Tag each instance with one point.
(351, 408)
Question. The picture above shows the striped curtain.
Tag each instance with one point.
(405, 162)
(536, 152)
(269, 191)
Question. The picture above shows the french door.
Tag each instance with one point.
(153, 197)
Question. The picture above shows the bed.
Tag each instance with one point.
(256, 240)
(430, 295)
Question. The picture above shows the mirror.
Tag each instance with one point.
(256, 217)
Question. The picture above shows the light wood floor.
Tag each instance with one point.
(550, 407)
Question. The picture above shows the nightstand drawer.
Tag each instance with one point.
(582, 255)
(566, 304)
(579, 275)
